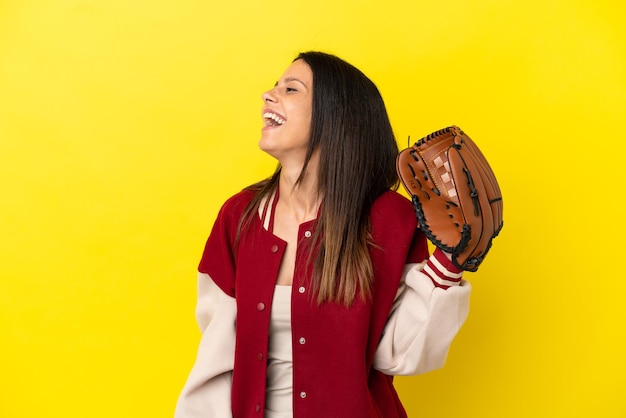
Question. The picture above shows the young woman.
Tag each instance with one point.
(315, 287)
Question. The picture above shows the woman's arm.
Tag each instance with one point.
(207, 392)
(431, 305)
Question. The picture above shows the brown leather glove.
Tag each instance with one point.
(455, 193)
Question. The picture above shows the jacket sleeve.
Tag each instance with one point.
(430, 307)
(207, 392)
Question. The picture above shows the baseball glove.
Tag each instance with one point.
(455, 193)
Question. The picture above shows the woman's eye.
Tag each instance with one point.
(291, 89)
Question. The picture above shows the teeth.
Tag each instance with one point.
(274, 117)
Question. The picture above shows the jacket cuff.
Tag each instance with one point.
(442, 271)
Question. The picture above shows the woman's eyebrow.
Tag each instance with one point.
(288, 79)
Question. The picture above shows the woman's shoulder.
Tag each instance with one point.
(234, 207)
(392, 218)
(392, 203)
(240, 199)
(394, 228)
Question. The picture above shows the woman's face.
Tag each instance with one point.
(287, 114)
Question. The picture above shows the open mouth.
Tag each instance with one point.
(272, 119)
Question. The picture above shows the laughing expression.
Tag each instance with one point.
(287, 114)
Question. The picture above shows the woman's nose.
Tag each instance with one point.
(269, 96)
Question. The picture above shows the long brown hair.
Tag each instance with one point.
(357, 152)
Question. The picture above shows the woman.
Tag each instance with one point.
(320, 267)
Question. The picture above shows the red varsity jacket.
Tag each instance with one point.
(333, 346)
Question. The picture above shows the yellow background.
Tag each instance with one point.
(125, 124)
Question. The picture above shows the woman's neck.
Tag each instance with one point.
(300, 198)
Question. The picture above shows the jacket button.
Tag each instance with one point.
(303, 395)
(307, 234)
(301, 289)
(274, 248)
(260, 356)
(260, 306)
(302, 340)
(257, 408)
